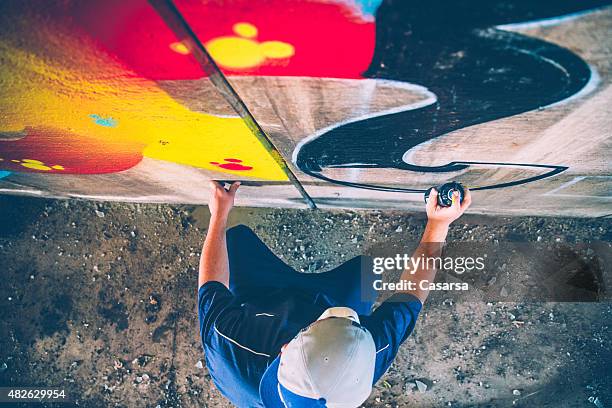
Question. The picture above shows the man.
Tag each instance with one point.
(274, 337)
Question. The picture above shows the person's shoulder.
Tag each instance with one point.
(213, 288)
(213, 297)
(400, 309)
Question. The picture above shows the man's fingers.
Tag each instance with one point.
(213, 184)
(432, 201)
(234, 187)
(455, 205)
(467, 200)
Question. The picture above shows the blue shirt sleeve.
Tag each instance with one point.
(213, 299)
(234, 363)
(390, 325)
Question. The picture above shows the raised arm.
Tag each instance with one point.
(214, 263)
(434, 236)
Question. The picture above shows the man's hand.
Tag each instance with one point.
(221, 200)
(444, 216)
(439, 218)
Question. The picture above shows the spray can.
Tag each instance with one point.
(445, 193)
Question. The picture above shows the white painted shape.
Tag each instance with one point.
(429, 100)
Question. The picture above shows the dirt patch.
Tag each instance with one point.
(101, 299)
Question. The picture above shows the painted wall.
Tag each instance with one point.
(370, 103)
(71, 106)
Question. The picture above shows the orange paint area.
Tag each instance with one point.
(63, 152)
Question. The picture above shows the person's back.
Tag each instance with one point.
(242, 335)
(274, 337)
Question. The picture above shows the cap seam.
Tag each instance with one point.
(306, 368)
(352, 353)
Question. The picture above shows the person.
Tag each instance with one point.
(274, 337)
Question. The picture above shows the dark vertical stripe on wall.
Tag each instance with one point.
(175, 21)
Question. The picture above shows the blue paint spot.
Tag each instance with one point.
(3, 174)
(368, 7)
(106, 122)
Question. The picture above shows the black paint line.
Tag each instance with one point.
(175, 21)
(255, 183)
(478, 74)
(554, 170)
(429, 99)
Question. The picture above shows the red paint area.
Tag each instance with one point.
(75, 153)
(232, 164)
(330, 40)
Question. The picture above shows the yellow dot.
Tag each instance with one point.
(32, 161)
(57, 167)
(234, 52)
(277, 49)
(15, 161)
(36, 166)
(179, 48)
(246, 30)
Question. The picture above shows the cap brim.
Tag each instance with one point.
(268, 387)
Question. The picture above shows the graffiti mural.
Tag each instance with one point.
(367, 100)
(266, 38)
(74, 109)
(477, 73)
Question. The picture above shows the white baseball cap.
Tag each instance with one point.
(328, 364)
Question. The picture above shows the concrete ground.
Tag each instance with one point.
(101, 299)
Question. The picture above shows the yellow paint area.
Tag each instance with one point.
(38, 165)
(276, 49)
(40, 90)
(246, 30)
(179, 48)
(244, 51)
